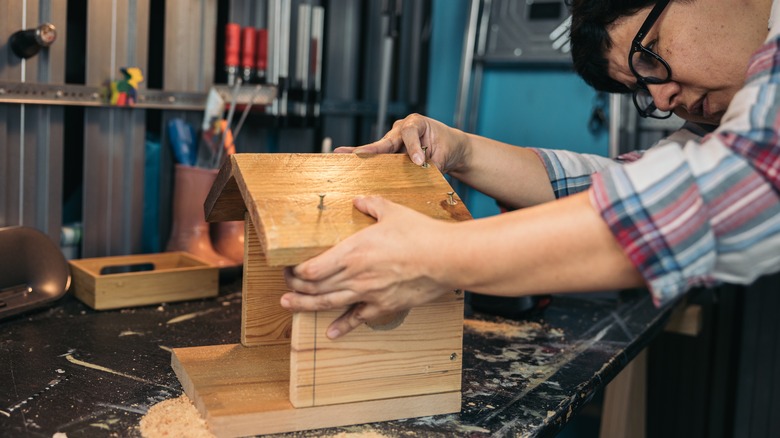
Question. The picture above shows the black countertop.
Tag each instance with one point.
(90, 373)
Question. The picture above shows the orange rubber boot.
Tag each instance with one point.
(190, 231)
(228, 240)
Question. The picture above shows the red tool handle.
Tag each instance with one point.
(232, 44)
(248, 41)
(262, 49)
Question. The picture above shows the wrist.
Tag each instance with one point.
(459, 161)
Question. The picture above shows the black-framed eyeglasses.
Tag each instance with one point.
(648, 67)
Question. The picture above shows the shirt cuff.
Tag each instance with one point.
(667, 238)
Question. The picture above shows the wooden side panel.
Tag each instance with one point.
(243, 392)
(422, 355)
(263, 320)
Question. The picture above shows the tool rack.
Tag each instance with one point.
(61, 146)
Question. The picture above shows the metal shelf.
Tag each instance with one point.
(82, 95)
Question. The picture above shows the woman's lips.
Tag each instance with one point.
(697, 109)
(705, 107)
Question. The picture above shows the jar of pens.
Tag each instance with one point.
(198, 159)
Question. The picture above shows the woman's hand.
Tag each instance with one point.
(445, 147)
(383, 269)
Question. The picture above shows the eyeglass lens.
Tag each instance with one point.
(644, 103)
(649, 67)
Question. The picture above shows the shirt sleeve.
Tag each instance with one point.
(704, 212)
(571, 172)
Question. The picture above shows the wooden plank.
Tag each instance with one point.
(686, 319)
(422, 355)
(243, 391)
(177, 276)
(263, 320)
(281, 192)
(625, 402)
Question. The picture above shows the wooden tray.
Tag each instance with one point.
(175, 276)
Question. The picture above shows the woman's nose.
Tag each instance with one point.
(665, 95)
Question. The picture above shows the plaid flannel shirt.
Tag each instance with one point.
(695, 212)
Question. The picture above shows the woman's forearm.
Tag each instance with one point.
(561, 246)
(514, 176)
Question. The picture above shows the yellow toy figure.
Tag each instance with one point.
(125, 92)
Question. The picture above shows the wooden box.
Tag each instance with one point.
(286, 375)
(175, 276)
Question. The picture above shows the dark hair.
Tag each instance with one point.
(590, 41)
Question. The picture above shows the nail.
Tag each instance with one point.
(285, 302)
(322, 201)
(418, 159)
(425, 157)
(451, 199)
(333, 333)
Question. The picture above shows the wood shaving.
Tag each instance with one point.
(366, 434)
(508, 330)
(174, 418)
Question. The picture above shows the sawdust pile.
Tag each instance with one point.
(178, 418)
(174, 418)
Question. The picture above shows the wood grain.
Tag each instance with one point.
(177, 276)
(238, 397)
(263, 320)
(280, 191)
(420, 356)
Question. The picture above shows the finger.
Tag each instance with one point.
(411, 132)
(299, 285)
(351, 319)
(389, 144)
(320, 267)
(333, 283)
(298, 302)
(344, 149)
(373, 206)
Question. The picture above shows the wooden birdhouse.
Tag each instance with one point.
(286, 375)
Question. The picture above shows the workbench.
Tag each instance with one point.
(86, 373)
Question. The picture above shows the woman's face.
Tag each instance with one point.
(707, 44)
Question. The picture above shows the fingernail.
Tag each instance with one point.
(333, 333)
(285, 302)
(418, 159)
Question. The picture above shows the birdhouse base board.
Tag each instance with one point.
(243, 391)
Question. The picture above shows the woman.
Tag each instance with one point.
(688, 213)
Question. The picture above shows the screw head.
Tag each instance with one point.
(453, 356)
